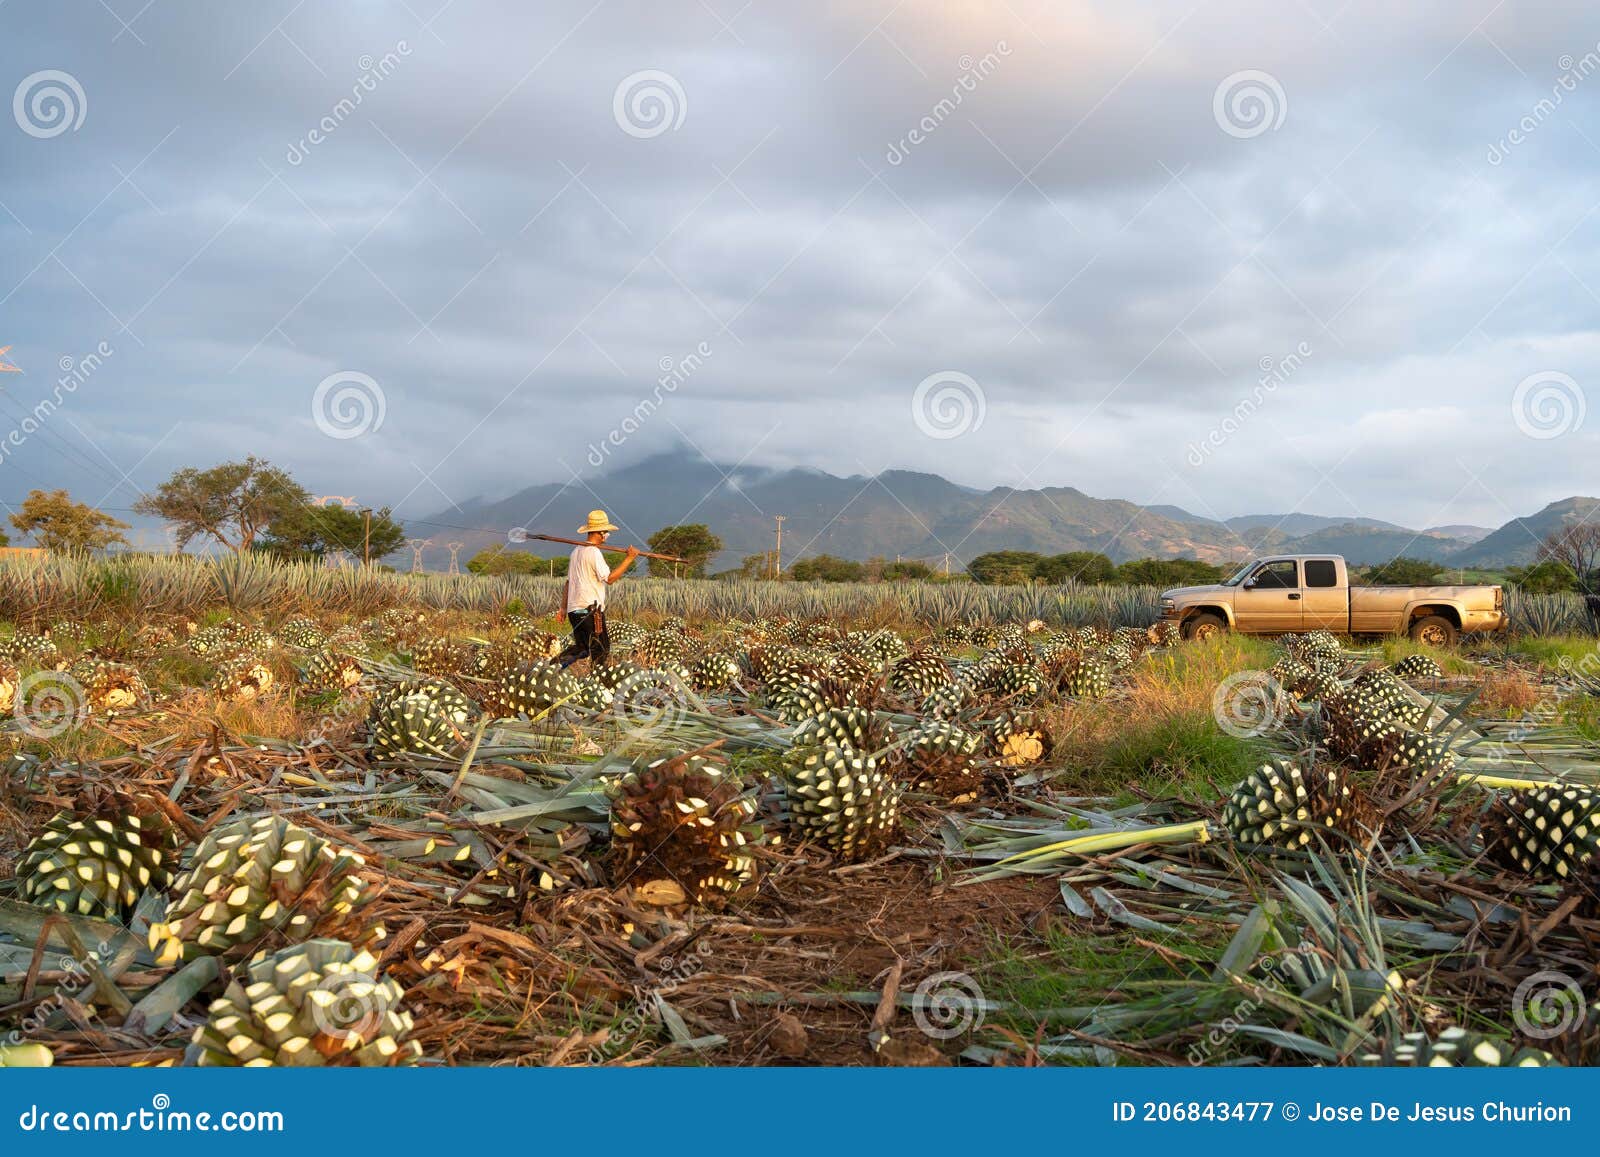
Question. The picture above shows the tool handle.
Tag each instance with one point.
(581, 542)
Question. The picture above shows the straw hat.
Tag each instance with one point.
(597, 521)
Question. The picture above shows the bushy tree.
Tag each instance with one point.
(1004, 567)
(232, 503)
(1544, 578)
(1169, 572)
(1076, 566)
(910, 571)
(1401, 572)
(60, 524)
(693, 541)
(496, 559)
(826, 568)
(315, 532)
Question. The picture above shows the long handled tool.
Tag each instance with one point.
(581, 542)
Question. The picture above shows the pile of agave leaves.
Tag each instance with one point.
(513, 943)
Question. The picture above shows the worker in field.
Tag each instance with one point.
(588, 576)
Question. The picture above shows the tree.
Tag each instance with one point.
(694, 542)
(58, 523)
(753, 566)
(826, 568)
(314, 532)
(1169, 572)
(1004, 567)
(913, 571)
(1578, 546)
(498, 559)
(232, 503)
(1545, 578)
(1401, 572)
(1076, 566)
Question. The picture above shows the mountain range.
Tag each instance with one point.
(913, 515)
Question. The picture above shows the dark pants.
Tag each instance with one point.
(590, 640)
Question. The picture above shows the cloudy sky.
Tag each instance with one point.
(1023, 243)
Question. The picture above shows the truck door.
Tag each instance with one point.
(1324, 602)
(1268, 602)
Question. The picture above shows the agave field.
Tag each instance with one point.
(263, 815)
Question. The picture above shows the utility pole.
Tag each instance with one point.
(455, 556)
(947, 564)
(777, 555)
(416, 545)
(366, 536)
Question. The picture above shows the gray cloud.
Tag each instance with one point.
(1077, 234)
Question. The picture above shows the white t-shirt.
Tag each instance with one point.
(587, 573)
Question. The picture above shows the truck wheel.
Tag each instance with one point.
(1203, 627)
(1434, 631)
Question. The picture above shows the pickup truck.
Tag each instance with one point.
(1280, 594)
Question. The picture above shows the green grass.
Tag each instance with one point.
(1043, 978)
(1186, 757)
(1582, 713)
(1549, 650)
(1451, 662)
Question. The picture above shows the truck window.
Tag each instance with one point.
(1279, 574)
(1321, 572)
